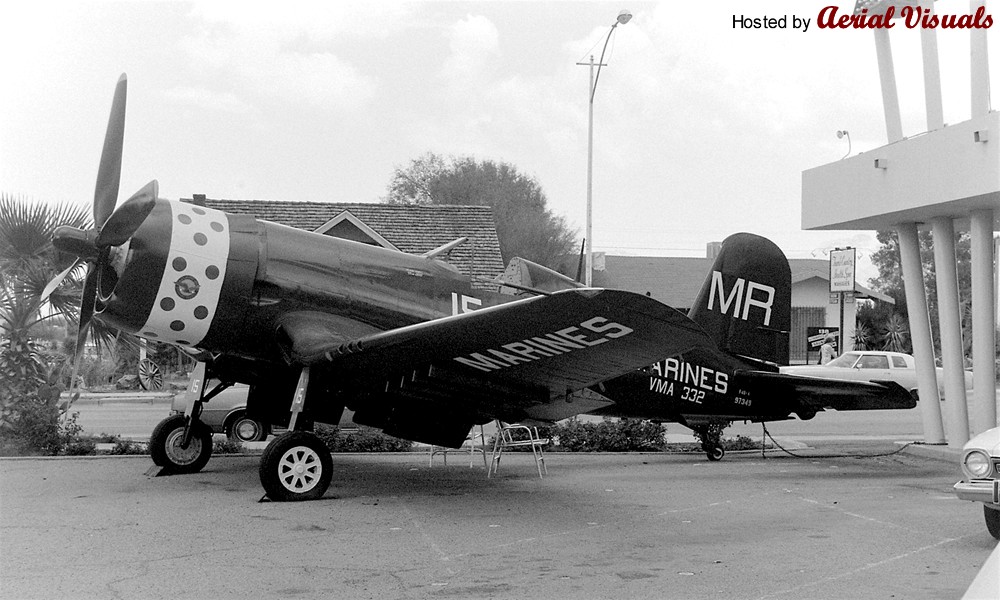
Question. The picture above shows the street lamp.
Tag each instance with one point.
(623, 17)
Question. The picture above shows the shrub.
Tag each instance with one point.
(740, 442)
(227, 446)
(363, 439)
(123, 447)
(623, 435)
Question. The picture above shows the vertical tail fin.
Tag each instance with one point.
(745, 304)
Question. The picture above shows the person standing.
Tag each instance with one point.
(827, 351)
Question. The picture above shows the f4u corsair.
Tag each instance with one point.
(315, 324)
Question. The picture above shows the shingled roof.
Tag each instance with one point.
(414, 229)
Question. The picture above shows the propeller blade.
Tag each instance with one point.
(87, 303)
(110, 170)
(52, 285)
(129, 216)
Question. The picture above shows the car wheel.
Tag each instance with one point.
(296, 466)
(242, 428)
(165, 446)
(992, 521)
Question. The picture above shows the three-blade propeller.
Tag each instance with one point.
(112, 227)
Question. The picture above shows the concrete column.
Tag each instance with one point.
(890, 97)
(980, 64)
(932, 73)
(920, 332)
(950, 322)
(984, 303)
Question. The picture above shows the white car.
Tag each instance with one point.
(872, 365)
(981, 465)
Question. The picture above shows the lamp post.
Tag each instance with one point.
(623, 17)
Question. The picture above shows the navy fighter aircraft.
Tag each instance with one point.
(315, 324)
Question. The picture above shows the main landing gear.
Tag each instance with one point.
(180, 449)
(296, 465)
(182, 444)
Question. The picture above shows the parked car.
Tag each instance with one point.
(227, 413)
(981, 466)
(873, 365)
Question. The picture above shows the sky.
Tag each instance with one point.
(702, 127)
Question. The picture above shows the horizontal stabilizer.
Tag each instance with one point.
(818, 393)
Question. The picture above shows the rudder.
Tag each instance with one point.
(745, 304)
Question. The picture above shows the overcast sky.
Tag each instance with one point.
(701, 129)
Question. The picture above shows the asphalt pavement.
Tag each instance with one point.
(598, 526)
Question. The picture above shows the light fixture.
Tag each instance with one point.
(841, 133)
(624, 16)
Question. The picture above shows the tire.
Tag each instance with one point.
(716, 453)
(296, 466)
(241, 428)
(165, 446)
(992, 516)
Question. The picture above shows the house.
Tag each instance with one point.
(411, 228)
(677, 281)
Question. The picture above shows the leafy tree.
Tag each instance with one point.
(525, 226)
(890, 278)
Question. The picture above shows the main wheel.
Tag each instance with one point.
(992, 521)
(150, 377)
(716, 453)
(165, 445)
(296, 466)
(242, 428)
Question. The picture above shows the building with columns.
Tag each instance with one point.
(946, 180)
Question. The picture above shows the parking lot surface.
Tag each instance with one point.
(599, 526)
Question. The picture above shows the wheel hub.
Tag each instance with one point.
(179, 455)
(299, 469)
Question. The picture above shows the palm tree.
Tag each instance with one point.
(28, 262)
(895, 334)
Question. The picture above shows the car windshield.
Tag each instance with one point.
(845, 361)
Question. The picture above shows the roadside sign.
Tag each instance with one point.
(842, 270)
(816, 335)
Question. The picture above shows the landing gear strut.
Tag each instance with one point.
(296, 465)
(181, 443)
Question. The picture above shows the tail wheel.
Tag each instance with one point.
(150, 377)
(296, 466)
(166, 445)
